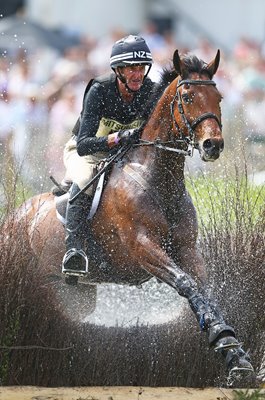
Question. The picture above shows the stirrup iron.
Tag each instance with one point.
(75, 257)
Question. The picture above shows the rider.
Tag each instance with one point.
(112, 111)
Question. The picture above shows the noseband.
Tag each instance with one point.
(190, 126)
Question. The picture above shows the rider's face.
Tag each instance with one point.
(134, 75)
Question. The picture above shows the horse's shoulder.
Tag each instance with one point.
(125, 178)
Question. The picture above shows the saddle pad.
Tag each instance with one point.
(60, 205)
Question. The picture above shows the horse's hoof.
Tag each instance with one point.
(71, 280)
(241, 375)
(239, 367)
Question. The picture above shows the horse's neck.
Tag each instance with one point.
(168, 172)
(159, 125)
(162, 170)
(163, 165)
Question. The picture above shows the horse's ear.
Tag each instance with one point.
(177, 63)
(212, 67)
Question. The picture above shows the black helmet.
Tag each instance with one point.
(130, 50)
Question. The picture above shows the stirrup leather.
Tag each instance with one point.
(75, 262)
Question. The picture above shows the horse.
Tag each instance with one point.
(146, 224)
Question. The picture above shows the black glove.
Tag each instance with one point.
(129, 136)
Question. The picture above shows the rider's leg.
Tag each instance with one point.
(79, 170)
(75, 260)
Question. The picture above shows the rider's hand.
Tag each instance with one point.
(128, 136)
(113, 139)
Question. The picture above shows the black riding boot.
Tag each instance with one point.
(75, 261)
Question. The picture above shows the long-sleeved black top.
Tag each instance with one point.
(104, 111)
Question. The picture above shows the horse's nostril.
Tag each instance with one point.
(213, 145)
(207, 144)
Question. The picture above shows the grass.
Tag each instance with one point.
(221, 200)
(249, 395)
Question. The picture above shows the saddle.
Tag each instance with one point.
(99, 179)
(62, 200)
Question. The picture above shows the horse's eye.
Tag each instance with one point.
(186, 98)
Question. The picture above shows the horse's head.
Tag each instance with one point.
(195, 108)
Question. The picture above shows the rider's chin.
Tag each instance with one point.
(135, 86)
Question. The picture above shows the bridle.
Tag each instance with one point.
(190, 125)
(187, 140)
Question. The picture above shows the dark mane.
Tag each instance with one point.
(167, 76)
(192, 64)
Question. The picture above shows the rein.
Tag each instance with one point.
(163, 146)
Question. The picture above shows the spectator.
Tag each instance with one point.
(62, 118)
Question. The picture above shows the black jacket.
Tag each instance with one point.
(104, 111)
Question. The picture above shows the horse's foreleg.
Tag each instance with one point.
(221, 335)
(170, 273)
(157, 262)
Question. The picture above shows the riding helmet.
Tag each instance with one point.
(130, 50)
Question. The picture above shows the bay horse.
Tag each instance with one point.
(146, 224)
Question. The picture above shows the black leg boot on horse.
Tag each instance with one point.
(222, 338)
(75, 261)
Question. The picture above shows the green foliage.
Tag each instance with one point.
(219, 201)
(13, 194)
(249, 395)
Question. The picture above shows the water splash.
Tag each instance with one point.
(153, 303)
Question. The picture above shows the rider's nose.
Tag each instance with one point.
(137, 73)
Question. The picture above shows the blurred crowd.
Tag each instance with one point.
(42, 91)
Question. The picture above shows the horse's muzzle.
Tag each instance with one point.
(210, 149)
